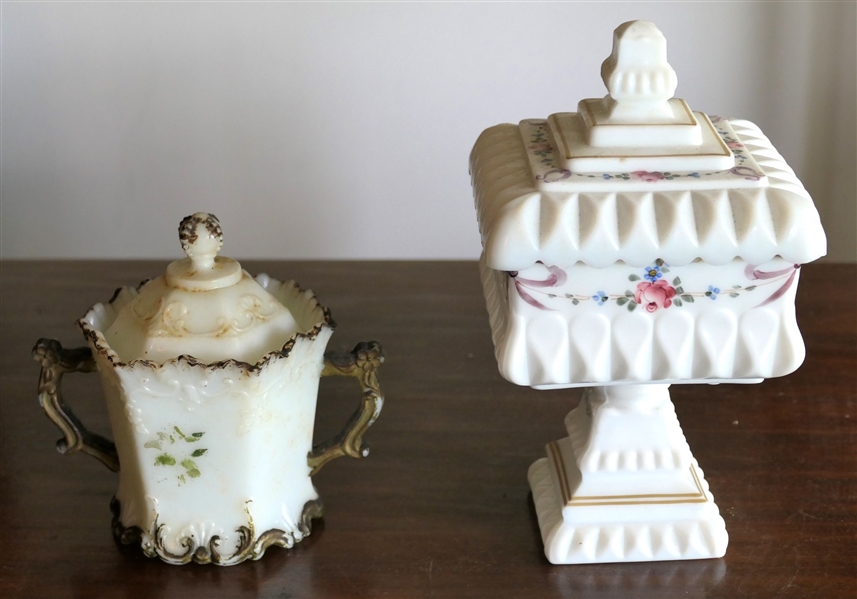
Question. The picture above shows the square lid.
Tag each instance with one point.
(636, 176)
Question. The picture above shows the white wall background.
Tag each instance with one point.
(343, 130)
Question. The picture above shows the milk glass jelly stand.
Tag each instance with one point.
(628, 246)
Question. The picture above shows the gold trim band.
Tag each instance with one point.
(693, 122)
(725, 151)
(593, 500)
(559, 464)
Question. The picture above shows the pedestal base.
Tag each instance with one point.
(624, 486)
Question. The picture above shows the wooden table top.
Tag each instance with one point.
(442, 507)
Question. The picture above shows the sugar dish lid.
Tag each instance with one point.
(205, 306)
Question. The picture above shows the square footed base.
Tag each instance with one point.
(613, 537)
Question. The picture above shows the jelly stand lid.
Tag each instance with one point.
(636, 176)
(205, 306)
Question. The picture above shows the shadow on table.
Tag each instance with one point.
(693, 578)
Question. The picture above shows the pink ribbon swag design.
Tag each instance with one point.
(655, 292)
(556, 277)
(753, 273)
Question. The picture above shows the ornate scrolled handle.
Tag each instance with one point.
(56, 362)
(360, 363)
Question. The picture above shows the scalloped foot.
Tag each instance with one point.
(615, 533)
(251, 546)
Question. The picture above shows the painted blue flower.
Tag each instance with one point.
(600, 297)
(606, 176)
(653, 273)
(712, 292)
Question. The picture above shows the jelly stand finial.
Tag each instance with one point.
(201, 238)
(637, 74)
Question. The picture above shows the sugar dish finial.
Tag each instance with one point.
(201, 238)
(203, 270)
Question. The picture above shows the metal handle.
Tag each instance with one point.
(361, 363)
(57, 361)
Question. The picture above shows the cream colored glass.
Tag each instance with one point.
(211, 378)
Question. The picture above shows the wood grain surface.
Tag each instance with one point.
(441, 508)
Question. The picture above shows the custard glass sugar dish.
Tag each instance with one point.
(210, 376)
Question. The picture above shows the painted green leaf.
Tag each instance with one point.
(551, 294)
(574, 302)
(733, 295)
(633, 278)
(165, 459)
(155, 444)
(677, 302)
(687, 298)
(198, 453)
(750, 288)
(629, 294)
(622, 301)
(679, 290)
(676, 282)
(191, 439)
(664, 269)
(182, 478)
(632, 306)
(190, 466)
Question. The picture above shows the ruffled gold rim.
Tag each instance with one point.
(102, 348)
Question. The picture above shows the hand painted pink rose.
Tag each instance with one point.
(654, 295)
(649, 176)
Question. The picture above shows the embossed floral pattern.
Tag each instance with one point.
(652, 291)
